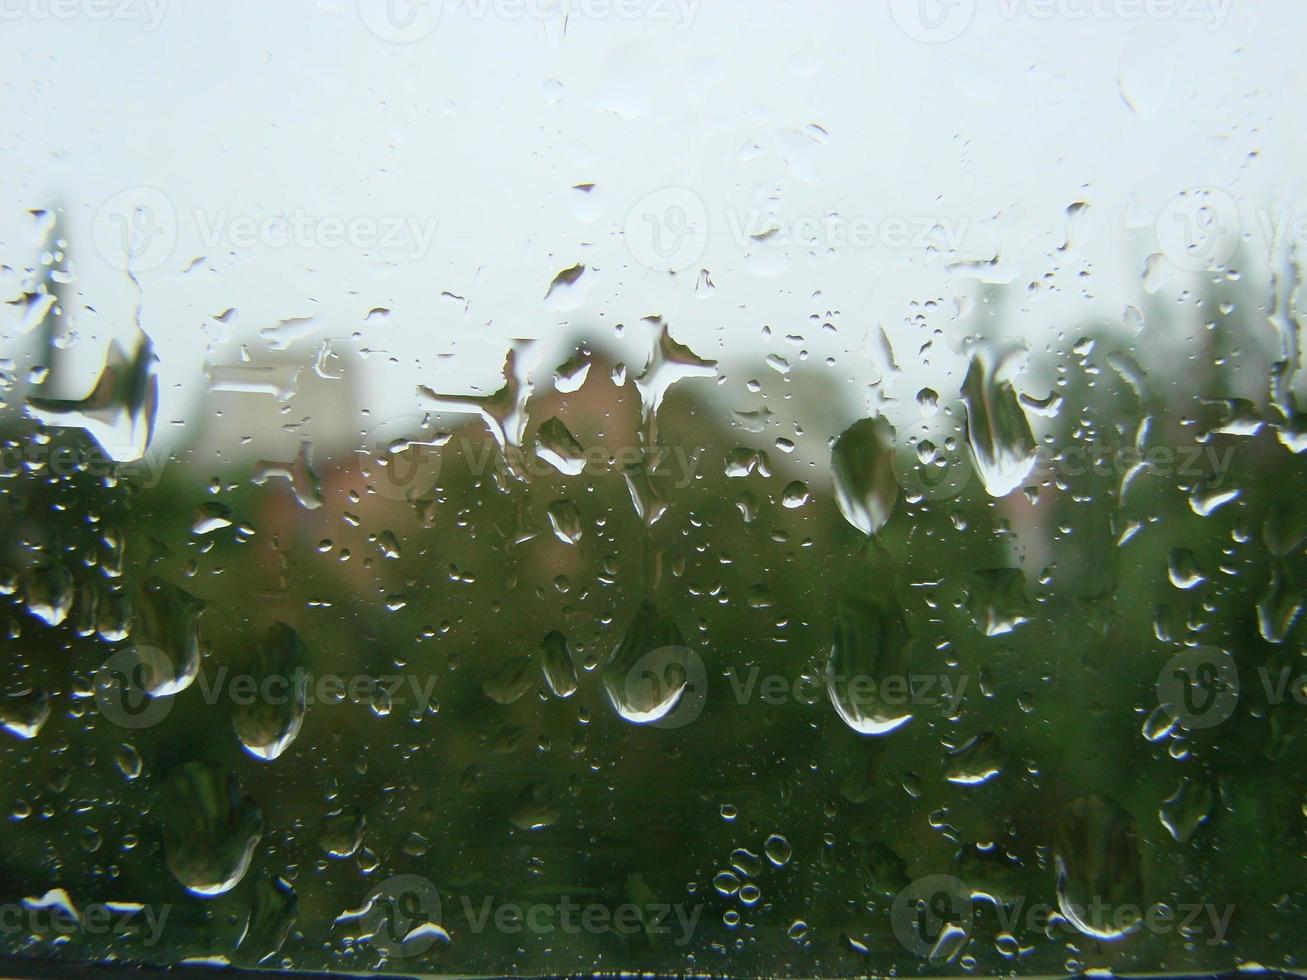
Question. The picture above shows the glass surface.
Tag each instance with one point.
(538, 487)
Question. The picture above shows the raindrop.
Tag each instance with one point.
(268, 722)
(865, 675)
(998, 432)
(1099, 876)
(556, 662)
(865, 486)
(210, 828)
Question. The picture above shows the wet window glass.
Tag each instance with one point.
(547, 487)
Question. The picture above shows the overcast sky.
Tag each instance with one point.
(415, 157)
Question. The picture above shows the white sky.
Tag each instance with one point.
(249, 109)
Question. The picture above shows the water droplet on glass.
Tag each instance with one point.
(778, 850)
(565, 520)
(1187, 808)
(341, 833)
(861, 468)
(559, 668)
(651, 668)
(210, 828)
(1099, 868)
(166, 637)
(865, 675)
(268, 722)
(998, 432)
(24, 714)
(976, 762)
(997, 600)
(559, 448)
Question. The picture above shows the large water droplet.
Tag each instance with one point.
(504, 412)
(997, 600)
(669, 363)
(1099, 877)
(998, 432)
(559, 448)
(119, 410)
(977, 761)
(865, 675)
(861, 467)
(166, 637)
(1280, 604)
(269, 722)
(341, 833)
(210, 828)
(49, 592)
(25, 714)
(565, 520)
(651, 669)
(512, 680)
(556, 662)
(272, 914)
